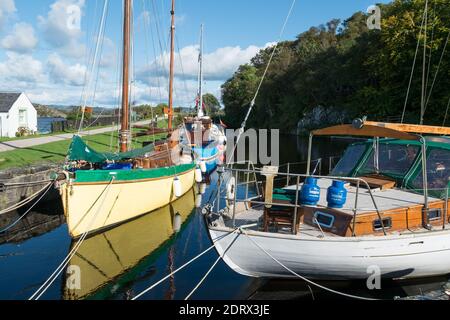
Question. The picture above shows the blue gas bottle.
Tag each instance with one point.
(337, 195)
(310, 192)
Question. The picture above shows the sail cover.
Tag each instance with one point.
(79, 151)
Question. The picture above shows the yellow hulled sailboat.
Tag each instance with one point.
(114, 258)
(101, 190)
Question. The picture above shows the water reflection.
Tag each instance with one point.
(113, 260)
(32, 225)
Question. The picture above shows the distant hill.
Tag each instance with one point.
(47, 111)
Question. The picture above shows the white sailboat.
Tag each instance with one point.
(393, 219)
(204, 138)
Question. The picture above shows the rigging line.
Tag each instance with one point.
(181, 65)
(185, 265)
(155, 61)
(424, 66)
(97, 74)
(446, 113)
(431, 46)
(102, 26)
(96, 81)
(252, 103)
(44, 287)
(437, 71)
(89, 54)
(413, 69)
(147, 51)
(158, 32)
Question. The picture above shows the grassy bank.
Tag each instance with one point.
(57, 151)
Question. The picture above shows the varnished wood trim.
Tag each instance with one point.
(365, 131)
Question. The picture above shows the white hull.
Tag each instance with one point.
(397, 256)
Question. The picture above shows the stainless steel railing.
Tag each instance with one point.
(255, 171)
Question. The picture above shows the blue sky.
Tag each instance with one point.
(40, 55)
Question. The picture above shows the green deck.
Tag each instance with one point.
(91, 176)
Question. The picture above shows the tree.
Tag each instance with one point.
(349, 68)
(211, 104)
(238, 92)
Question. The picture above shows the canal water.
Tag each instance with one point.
(120, 263)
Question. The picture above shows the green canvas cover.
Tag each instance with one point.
(79, 150)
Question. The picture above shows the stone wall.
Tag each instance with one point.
(320, 117)
(14, 194)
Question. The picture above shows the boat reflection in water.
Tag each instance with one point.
(117, 257)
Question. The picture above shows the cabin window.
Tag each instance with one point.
(393, 159)
(349, 160)
(325, 220)
(387, 223)
(434, 214)
(438, 172)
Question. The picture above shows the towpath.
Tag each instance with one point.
(30, 142)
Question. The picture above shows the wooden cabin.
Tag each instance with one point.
(391, 165)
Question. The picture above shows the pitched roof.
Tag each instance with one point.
(7, 100)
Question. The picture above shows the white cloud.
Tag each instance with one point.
(217, 65)
(59, 28)
(7, 7)
(22, 67)
(22, 39)
(68, 74)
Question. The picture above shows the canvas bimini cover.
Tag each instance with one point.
(79, 151)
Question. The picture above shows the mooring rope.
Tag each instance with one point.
(44, 287)
(26, 200)
(211, 269)
(29, 209)
(301, 277)
(184, 265)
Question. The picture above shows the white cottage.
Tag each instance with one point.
(16, 111)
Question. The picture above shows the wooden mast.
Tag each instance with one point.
(172, 50)
(125, 126)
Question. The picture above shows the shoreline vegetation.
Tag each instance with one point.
(55, 152)
(341, 70)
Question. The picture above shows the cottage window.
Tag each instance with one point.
(22, 117)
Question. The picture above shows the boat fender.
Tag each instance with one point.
(202, 188)
(177, 187)
(198, 175)
(198, 201)
(177, 222)
(202, 166)
(231, 190)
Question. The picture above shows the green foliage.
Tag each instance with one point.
(349, 67)
(211, 103)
